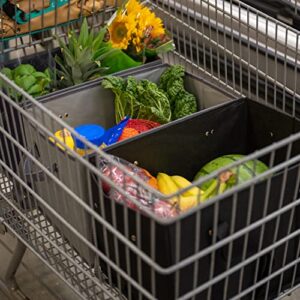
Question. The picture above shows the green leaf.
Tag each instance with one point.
(39, 75)
(84, 33)
(164, 48)
(91, 37)
(118, 60)
(77, 74)
(103, 50)
(64, 69)
(99, 39)
(114, 83)
(47, 72)
(25, 82)
(73, 44)
(35, 89)
(65, 80)
(24, 70)
(84, 56)
(7, 72)
(68, 57)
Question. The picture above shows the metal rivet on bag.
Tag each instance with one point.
(66, 115)
(212, 131)
(210, 232)
(133, 238)
(271, 134)
(207, 133)
(60, 116)
(136, 162)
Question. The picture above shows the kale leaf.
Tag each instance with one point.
(155, 105)
(146, 100)
(182, 103)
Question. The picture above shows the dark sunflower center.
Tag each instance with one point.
(120, 31)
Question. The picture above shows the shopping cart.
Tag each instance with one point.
(242, 244)
(286, 11)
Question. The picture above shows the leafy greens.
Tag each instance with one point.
(138, 99)
(145, 100)
(182, 102)
(33, 82)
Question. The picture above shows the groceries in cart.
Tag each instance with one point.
(136, 196)
(135, 127)
(228, 178)
(139, 198)
(133, 36)
(163, 102)
(126, 129)
(143, 105)
(93, 133)
(100, 137)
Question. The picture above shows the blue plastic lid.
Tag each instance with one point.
(93, 133)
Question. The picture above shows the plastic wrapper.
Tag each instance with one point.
(113, 134)
(145, 199)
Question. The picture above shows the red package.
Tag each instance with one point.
(136, 126)
(131, 188)
(164, 209)
(141, 125)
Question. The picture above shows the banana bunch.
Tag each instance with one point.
(171, 184)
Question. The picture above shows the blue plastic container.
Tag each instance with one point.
(93, 133)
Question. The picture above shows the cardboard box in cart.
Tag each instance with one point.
(182, 148)
(88, 104)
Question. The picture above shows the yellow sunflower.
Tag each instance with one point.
(133, 6)
(150, 24)
(121, 31)
(135, 25)
(137, 43)
(157, 26)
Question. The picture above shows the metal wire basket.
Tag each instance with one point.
(135, 253)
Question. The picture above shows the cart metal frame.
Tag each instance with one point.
(230, 43)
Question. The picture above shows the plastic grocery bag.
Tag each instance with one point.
(146, 200)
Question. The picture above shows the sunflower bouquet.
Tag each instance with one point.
(139, 32)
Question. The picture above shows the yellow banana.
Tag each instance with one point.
(182, 183)
(171, 184)
(167, 186)
(189, 202)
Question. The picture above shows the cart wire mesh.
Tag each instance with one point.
(110, 249)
